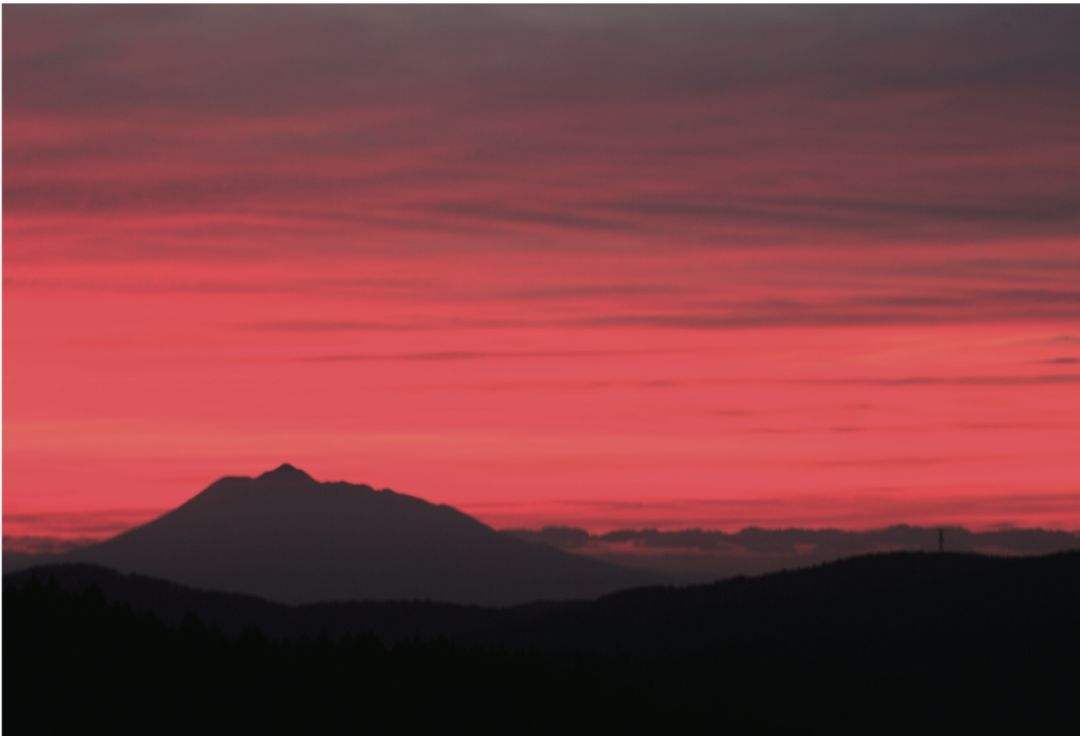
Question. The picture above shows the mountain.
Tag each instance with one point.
(287, 537)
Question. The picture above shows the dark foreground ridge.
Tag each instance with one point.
(895, 643)
(287, 537)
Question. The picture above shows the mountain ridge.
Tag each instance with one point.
(694, 555)
(903, 592)
(285, 536)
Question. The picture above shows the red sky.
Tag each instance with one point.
(597, 266)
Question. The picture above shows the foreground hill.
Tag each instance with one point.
(287, 537)
(875, 600)
(880, 644)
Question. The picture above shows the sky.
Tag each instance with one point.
(604, 266)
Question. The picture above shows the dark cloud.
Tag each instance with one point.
(982, 306)
(570, 52)
(714, 127)
(893, 220)
(1000, 306)
(564, 217)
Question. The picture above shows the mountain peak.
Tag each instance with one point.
(285, 536)
(286, 472)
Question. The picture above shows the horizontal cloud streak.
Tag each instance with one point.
(1000, 380)
(90, 524)
(986, 306)
(464, 355)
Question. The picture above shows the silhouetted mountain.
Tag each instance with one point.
(893, 643)
(287, 537)
(699, 555)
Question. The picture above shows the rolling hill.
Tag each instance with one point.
(893, 643)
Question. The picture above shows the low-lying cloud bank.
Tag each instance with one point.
(701, 554)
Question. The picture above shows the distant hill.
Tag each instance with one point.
(702, 555)
(286, 537)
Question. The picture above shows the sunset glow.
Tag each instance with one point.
(694, 267)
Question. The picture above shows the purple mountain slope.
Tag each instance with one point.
(288, 537)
